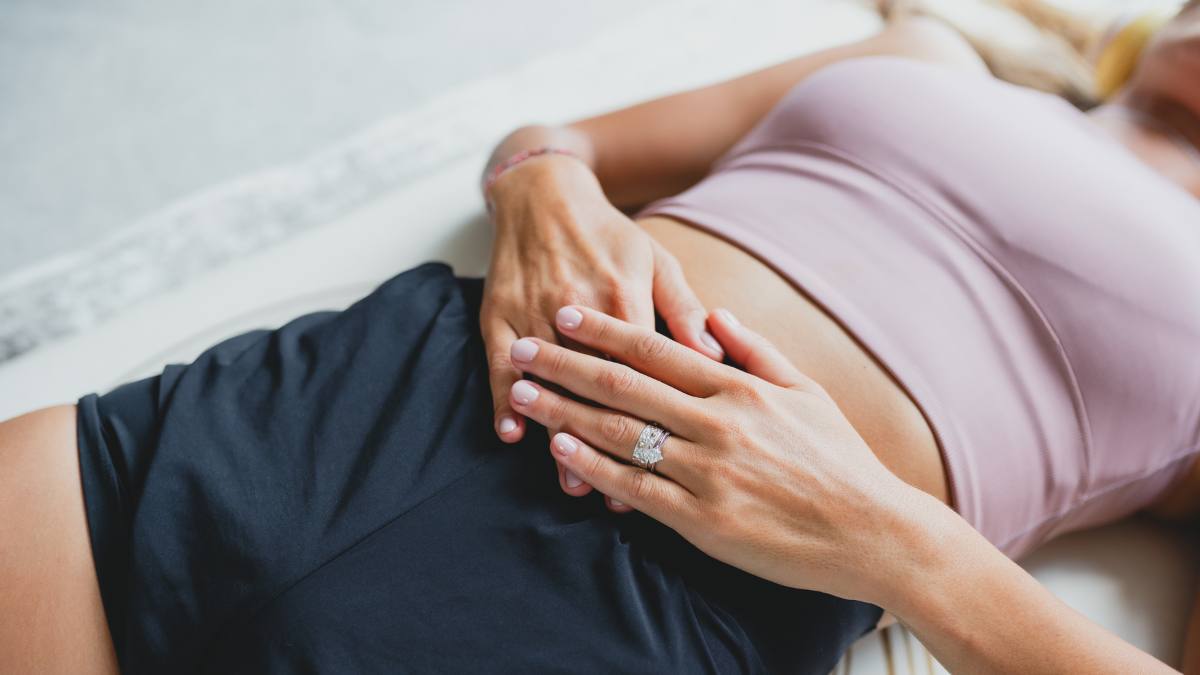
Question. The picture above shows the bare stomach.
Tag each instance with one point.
(724, 275)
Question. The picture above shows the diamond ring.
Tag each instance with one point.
(648, 450)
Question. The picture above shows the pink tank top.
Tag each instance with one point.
(1032, 285)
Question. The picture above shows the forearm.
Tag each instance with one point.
(979, 612)
(661, 147)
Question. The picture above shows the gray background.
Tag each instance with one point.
(112, 110)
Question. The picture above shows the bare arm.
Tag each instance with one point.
(773, 479)
(660, 147)
(979, 612)
(560, 238)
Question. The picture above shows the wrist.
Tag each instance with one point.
(925, 539)
(540, 182)
(534, 137)
(540, 163)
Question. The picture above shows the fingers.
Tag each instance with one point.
(661, 358)
(613, 385)
(498, 337)
(657, 496)
(608, 430)
(678, 304)
(616, 505)
(637, 308)
(570, 483)
(754, 352)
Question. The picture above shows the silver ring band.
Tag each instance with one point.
(648, 451)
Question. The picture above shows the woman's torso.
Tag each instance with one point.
(976, 253)
(724, 275)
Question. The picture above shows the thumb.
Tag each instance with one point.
(754, 352)
(678, 304)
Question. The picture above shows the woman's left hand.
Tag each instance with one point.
(762, 470)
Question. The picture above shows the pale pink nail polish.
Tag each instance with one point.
(569, 318)
(571, 479)
(523, 350)
(524, 393)
(728, 316)
(616, 502)
(565, 444)
(711, 342)
(507, 425)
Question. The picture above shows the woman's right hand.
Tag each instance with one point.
(559, 241)
(762, 470)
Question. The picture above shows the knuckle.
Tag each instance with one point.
(623, 299)
(560, 272)
(601, 328)
(758, 392)
(737, 436)
(617, 382)
(499, 362)
(650, 347)
(616, 427)
(745, 392)
(707, 425)
(710, 424)
(609, 278)
(557, 409)
(641, 487)
(498, 298)
(574, 296)
(594, 466)
(726, 433)
(558, 360)
(669, 262)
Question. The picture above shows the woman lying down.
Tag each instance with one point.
(960, 318)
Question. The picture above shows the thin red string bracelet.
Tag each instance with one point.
(514, 160)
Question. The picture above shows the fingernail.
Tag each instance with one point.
(507, 425)
(523, 350)
(565, 444)
(616, 502)
(728, 316)
(524, 393)
(569, 318)
(711, 342)
(571, 479)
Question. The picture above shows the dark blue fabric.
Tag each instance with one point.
(330, 497)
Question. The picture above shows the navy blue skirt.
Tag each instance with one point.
(330, 497)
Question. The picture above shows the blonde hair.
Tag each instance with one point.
(1084, 57)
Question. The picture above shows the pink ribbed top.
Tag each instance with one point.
(1032, 285)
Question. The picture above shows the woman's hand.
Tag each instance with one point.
(761, 471)
(558, 240)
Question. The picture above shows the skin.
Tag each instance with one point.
(764, 472)
(988, 615)
(985, 605)
(51, 617)
(653, 150)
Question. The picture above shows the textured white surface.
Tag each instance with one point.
(111, 110)
(1133, 577)
(709, 39)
